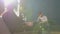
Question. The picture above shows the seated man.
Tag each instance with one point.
(42, 24)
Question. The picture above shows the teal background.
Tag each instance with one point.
(50, 8)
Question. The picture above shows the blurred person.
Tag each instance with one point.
(13, 22)
(3, 27)
(43, 21)
(42, 25)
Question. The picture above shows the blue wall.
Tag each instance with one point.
(32, 7)
(50, 8)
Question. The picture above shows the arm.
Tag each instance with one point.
(4, 12)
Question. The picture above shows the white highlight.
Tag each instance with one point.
(5, 10)
(7, 2)
(17, 11)
(18, 1)
(0, 16)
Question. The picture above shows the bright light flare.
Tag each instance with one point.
(18, 1)
(7, 2)
(17, 12)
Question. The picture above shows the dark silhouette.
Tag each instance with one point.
(3, 27)
(10, 18)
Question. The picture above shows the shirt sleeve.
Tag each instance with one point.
(45, 18)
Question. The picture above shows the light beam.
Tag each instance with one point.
(17, 12)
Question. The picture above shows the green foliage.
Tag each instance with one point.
(35, 27)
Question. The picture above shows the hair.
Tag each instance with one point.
(39, 13)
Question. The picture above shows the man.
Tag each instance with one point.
(3, 27)
(42, 26)
(42, 18)
(13, 22)
(43, 21)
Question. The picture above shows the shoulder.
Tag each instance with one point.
(45, 17)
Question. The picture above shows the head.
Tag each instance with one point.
(40, 14)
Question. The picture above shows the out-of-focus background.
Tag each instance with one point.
(31, 8)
